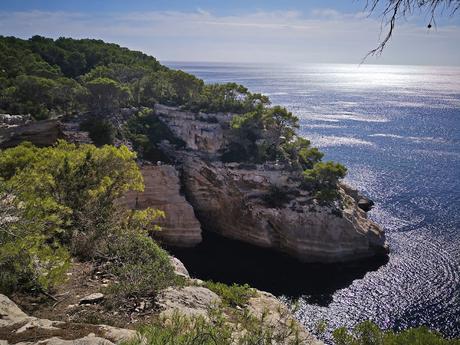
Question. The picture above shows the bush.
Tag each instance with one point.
(323, 179)
(60, 199)
(276, 197)
(368, 333)
(140, 266)
(101, 132)
(28, 260)
(245, 329)
(232, 295)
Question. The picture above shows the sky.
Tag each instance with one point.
(251, 31)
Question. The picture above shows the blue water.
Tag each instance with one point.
(397, 129)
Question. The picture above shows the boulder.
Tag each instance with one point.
(179, 267)
(365, 204)
(16, 327)
(278, 318)
(40, 133)
(189, 300)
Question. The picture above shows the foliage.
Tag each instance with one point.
(70, 75)
(61, 199)
(276, 196)
(300, 154)
(323, 179)
(141, 267)
(145, 130)
(106, 95)
(101, 131)
(232, 295)
(197, 330)
(259, 135)
(367, 333)
(228, 97)
(28, 259)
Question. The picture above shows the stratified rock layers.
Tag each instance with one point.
(179, 227)
(228, 201)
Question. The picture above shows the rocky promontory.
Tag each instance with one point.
(261, 204)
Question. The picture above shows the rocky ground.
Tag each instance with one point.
(78, 312)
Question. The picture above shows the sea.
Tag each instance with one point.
(397, 130)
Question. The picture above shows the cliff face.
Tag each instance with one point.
(234, 200)
(231, 199)
(162, 191)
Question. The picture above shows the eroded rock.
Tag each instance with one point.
(230, 201)
(180, 227)
(189, 300)
(16, 327)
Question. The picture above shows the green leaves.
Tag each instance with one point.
(59, 199)
(368, 333)
(323, 179)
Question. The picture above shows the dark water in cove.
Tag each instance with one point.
(397, 129)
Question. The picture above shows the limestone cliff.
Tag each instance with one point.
(179, 227)
(231, 199)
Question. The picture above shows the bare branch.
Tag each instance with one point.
(393, 10)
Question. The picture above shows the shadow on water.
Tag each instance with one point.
(229, 261)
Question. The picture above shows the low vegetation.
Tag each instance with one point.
(60, 202)
(232, 295)
(368, 333)
(245, 329)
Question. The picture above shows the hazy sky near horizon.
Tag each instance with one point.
(270, 31)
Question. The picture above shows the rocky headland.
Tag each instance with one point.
(199, 192)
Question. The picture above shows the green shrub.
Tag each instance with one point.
(59, 199)
(28, 259)
(323, 179)
(368, 333)
(232, 295)
(277, 196)
(101, 132)
(140, 266)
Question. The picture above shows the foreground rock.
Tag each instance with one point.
(189, 300)
(93, 298)
(278, 317)
(16, 327)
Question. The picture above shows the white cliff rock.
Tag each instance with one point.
(162, 191)
(230, 202)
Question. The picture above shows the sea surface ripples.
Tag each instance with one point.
(397, 129)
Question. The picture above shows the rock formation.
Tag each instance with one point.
(162, 191)
(16, 327)
(230, 199)
(40, 133)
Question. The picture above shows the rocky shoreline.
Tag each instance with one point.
(199, 193)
